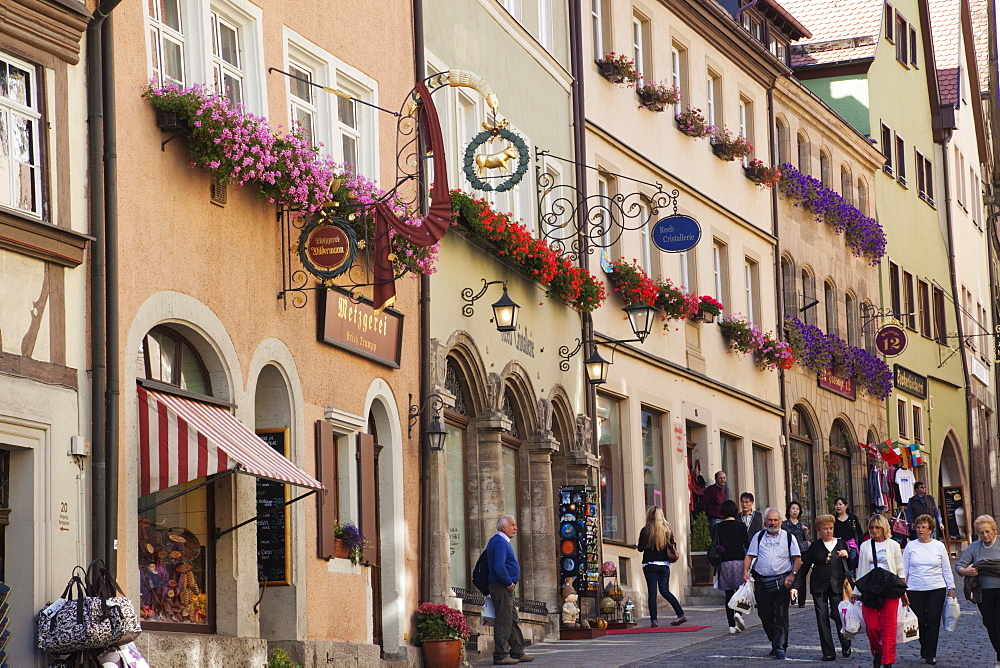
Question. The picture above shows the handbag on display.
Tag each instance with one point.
(101, 583)
(899, 526)
(76, 622)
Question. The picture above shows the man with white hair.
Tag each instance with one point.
(504, 574)
(777, 563)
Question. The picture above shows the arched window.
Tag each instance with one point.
(802, 486)
(176, 545)
(863, 197)
(782, 137)
(838, 466)
(809, 302)
(851, 310)
(824, 168)
(846, 184)
(802, 145)
(830, 307)
(789, 288)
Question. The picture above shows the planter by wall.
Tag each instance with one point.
(340, 550)
(690, 132)
(442, 653)
(722, 152)
(652, 105)
(169, 121)
(611, 73)
(705, 315)
(701, 570)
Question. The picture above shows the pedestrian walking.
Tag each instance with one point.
(847, 526)
(927, 571)
(752, 519)
(830, 561)
(774, 558)
(731, 537)
(504, 574)
(986, 549)
(880, 551)
(921, 503)
(656, 541)
(795, 525)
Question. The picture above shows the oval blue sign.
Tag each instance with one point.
(676, 234)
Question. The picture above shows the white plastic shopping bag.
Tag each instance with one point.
(850, 617)
(743, 600)
(123, 656)
(489, 612)
(907, 625)
(949, 620)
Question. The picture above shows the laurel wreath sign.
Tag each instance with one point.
(469, 165)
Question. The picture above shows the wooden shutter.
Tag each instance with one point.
(326, 502)
(367, 495)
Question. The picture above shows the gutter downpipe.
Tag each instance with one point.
(424, 542)
(778, 285)
(958, 318)
(103, 209)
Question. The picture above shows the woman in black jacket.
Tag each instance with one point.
(847, 526)
(830, 560)
(730, 546)
(654, 538)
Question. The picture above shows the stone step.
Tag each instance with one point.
(704, 592)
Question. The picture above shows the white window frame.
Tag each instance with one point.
(248, 19)
(597, 24)
(33, 115)
(545, 24)
(638, 46)
(686, 271)
(720, 254)
(675, 73)
(297, 105)
(645, 243)
(156, 32)
(745, 120)
(712, 106)
(513, 8)
(751, 274)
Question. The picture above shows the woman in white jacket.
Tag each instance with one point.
(880, 623)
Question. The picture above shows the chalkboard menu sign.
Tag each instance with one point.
(955, 517)
(578, 538)
(273, 554)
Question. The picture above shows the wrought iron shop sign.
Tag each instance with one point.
(353, 325)
(909, 382)
(890, 340)
(833, 383)
(676, 234)
(327, 249)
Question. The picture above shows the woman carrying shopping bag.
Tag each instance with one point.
(986, 549)
(656, 542)
(879, 612)
(927, 571)
(731, 541)
(829, 561)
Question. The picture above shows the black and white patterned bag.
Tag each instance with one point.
(103, 585)
(77, 622)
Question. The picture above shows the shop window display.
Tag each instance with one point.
(174, 556)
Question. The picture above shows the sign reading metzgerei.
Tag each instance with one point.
(355, 327)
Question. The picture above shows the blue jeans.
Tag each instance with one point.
(658, 577)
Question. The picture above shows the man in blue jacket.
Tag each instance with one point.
(505, 572)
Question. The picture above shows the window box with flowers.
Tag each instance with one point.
(632, 283)
(729, 146)
(619, 69)
(535, 258)
(658, 96)
(761, 174)
(709, 308)
(675, 303)
(820, 352)
(240, 148)
(863, 235)
(692, 123)
(746, 338)
(349, 542)
(441, 630)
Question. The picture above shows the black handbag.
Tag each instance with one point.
(878, 584)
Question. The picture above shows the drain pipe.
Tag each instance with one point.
(103, 283)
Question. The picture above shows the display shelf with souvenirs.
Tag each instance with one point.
(172, 575)
(614, 606)
(579, 539)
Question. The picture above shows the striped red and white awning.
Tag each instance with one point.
(181, 440)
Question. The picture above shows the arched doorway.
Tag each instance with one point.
(801, 444)
(839, 481)
(952, 474)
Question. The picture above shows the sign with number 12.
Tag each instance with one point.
(890, 340)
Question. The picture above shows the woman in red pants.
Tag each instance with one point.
(880, 552)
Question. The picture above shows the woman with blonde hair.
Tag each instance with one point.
(656, 542)
(984, 553)
(880, 551)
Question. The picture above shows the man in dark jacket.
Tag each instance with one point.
(752, 519)
(505, 572)
(829, 559)
(712, 500)
(922, 503)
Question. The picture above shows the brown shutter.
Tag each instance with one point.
(326, 502)
(367, 500)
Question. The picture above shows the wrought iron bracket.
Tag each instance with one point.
(433, 401)
(565, 354)
(872, 312)
(469, 298)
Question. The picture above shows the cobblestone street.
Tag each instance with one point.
(967, 646)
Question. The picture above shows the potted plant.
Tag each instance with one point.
(729, 146)
(350, 542)
(761, 174)
(658, 96)
(630, 281)
(692, 123)
(441, 631)
(619, 68)
(708, 309)
(675, 303)
(701, 541)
